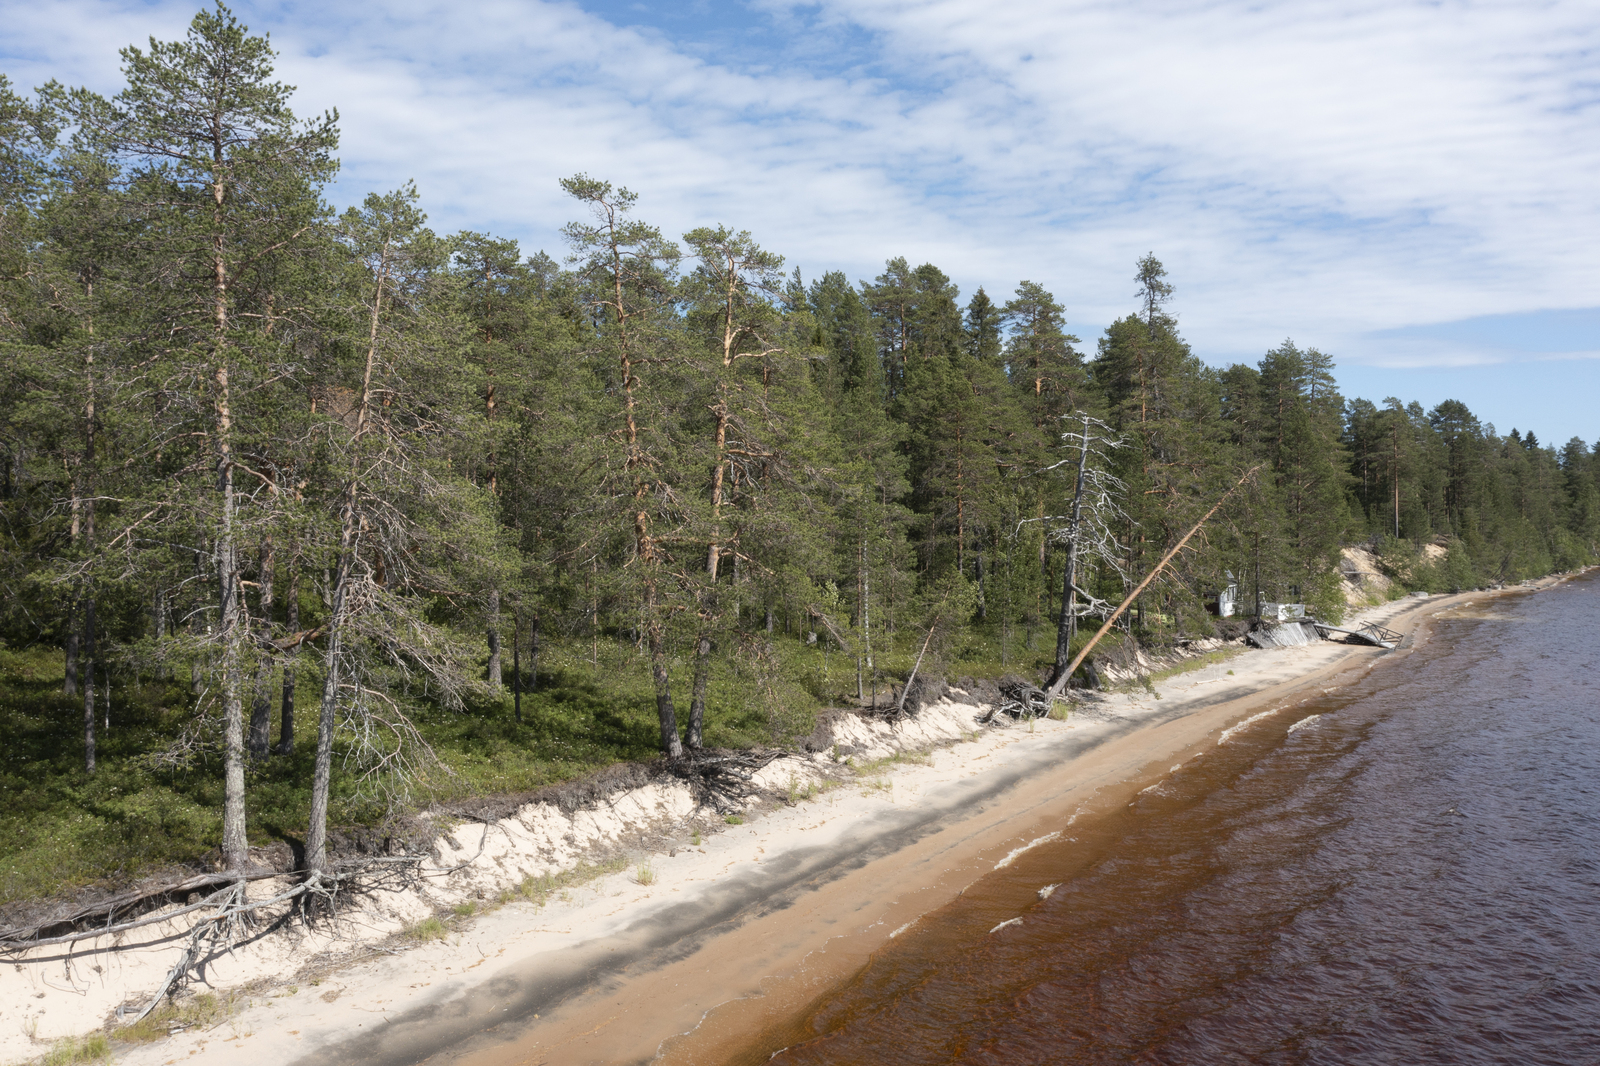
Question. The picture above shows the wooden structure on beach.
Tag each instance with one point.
(1369, 633)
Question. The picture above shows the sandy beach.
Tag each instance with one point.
(709, 937)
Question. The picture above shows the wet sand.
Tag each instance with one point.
(736, 935)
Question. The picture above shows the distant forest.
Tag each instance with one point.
(262, 457)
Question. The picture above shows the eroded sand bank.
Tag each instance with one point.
(746, 927)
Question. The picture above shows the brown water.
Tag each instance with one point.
(1414, 876)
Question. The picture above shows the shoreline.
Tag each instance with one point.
(739, 931)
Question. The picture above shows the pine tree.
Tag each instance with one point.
(405, 526)
(628, 269)
(228, 181)
(732, 310)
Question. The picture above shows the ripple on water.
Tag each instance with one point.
(1414, 879)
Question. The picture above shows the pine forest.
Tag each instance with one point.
(313, 518)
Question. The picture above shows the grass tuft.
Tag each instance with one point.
(798, 792)
(70, 1050)
(538, 890)
(430, 928)
(899, 758)
(1210, 658)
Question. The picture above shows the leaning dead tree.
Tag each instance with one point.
(1060, 681)
(1088, 529)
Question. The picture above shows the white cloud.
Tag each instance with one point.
(1320, 169)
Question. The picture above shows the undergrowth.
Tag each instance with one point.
(62, 829)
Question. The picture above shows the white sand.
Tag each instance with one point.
(750, 908)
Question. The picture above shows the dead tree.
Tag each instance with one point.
(1088, 530)
(1060, 681)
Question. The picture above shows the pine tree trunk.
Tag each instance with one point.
(87, 660)
(322, 771)
(533, 653)
(671, 745)
(983, 597)
(261, 709)
(327, 710)
(292, 624)
(338, 595)
(494, 675)
(235, 844)
(69, 684)
(197, 665)
(697, 703)
(516, 664)
(163, 622)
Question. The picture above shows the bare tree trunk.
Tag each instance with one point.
(83, 523)
(322, 772)
(494, 638)
(516, 664)
(861, 614)
(69, 684)
(697, 702)
(349, 520)
(88, 688)
(668, 715)
(292, 624)
(261, 709)
(708, 604)
(1060, 682)
(983, 591)
(197, 668)
(235, 844)
(1067, 626)
(533, 653)
(163, 620)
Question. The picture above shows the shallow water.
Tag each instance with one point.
(1412, 876)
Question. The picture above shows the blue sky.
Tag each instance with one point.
(1407, 186)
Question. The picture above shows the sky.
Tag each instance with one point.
(1409, 187)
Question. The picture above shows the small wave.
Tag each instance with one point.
(1049, 890)
(1002, 925)
(1009, 859)
(1302, 723)
(1226, 733)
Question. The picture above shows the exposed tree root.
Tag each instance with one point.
(720, 778)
